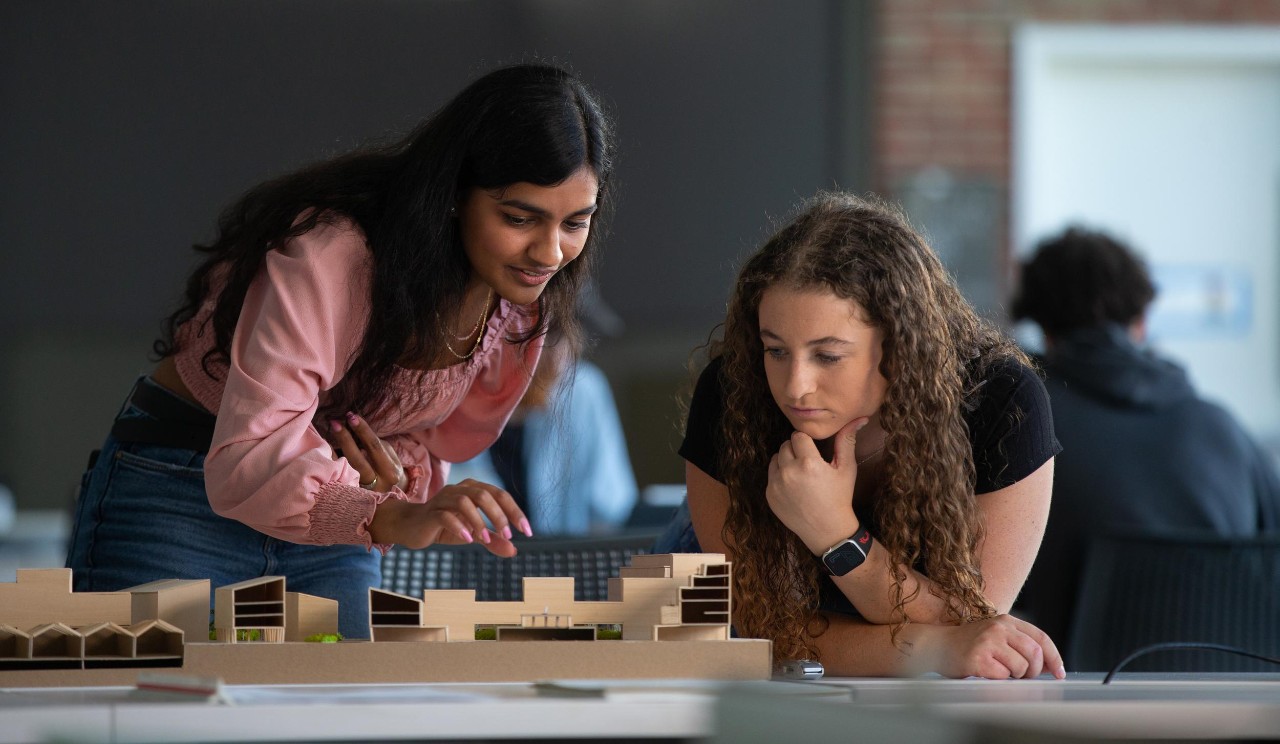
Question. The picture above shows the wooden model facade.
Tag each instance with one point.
(44, 625)
(250, 608)
(668, 608)
(180, 602)
(307, 615)
(262, 610)
(657, 598)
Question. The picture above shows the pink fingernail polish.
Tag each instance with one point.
(354, 419)
(506, 532)
(484, 536)
(334, 426)
(466, 535)
(525, 528)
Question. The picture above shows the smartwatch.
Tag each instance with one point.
(847, 554)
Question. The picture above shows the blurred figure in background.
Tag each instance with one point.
(563, 455)
(1141, 451)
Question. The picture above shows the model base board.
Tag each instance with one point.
(362, 661)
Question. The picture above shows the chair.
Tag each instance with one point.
(590, 560)
(1141, 589)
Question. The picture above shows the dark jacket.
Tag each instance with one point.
(1141, 451)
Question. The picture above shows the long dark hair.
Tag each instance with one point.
(528, 123)
(935, 349)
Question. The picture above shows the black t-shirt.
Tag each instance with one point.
(1010, 426)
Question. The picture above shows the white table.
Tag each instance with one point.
(1153, 707)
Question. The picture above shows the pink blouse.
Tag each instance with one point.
(301, 325)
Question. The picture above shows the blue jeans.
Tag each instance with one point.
(142, 515)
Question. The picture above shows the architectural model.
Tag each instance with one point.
(261, 610)
(669, 613)
(44, 625)
(656, 598)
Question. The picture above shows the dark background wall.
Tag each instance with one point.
(127, 126)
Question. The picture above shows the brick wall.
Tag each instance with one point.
(942, 107)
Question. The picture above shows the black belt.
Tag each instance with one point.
(174, 422)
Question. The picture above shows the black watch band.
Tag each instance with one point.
(847, 554)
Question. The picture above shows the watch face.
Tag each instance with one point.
(844, 558)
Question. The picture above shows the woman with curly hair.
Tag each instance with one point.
(874, 458)
(355, 327)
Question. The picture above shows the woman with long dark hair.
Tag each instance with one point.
(874, 458)
(356, 326)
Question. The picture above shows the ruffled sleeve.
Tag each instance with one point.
(300, 326)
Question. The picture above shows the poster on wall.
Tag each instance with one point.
(1201, 302)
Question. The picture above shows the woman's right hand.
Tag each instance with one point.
(376, 461)
(455, 515)
(1000, 647)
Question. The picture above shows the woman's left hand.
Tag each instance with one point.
(377, 462)
(1001, 647)
(812, 497)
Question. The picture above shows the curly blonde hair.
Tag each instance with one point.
(936, 351)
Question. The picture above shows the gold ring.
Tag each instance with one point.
(371, 483)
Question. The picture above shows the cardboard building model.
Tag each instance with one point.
(657, 598)
(673, 612)
(45, 625)
(261, 610)
(252, 609)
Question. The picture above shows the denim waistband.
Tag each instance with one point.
(170, 422)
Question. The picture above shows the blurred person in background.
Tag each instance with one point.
(1141, 450)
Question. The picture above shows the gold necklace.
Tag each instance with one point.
(484, 314)
(870, 457)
